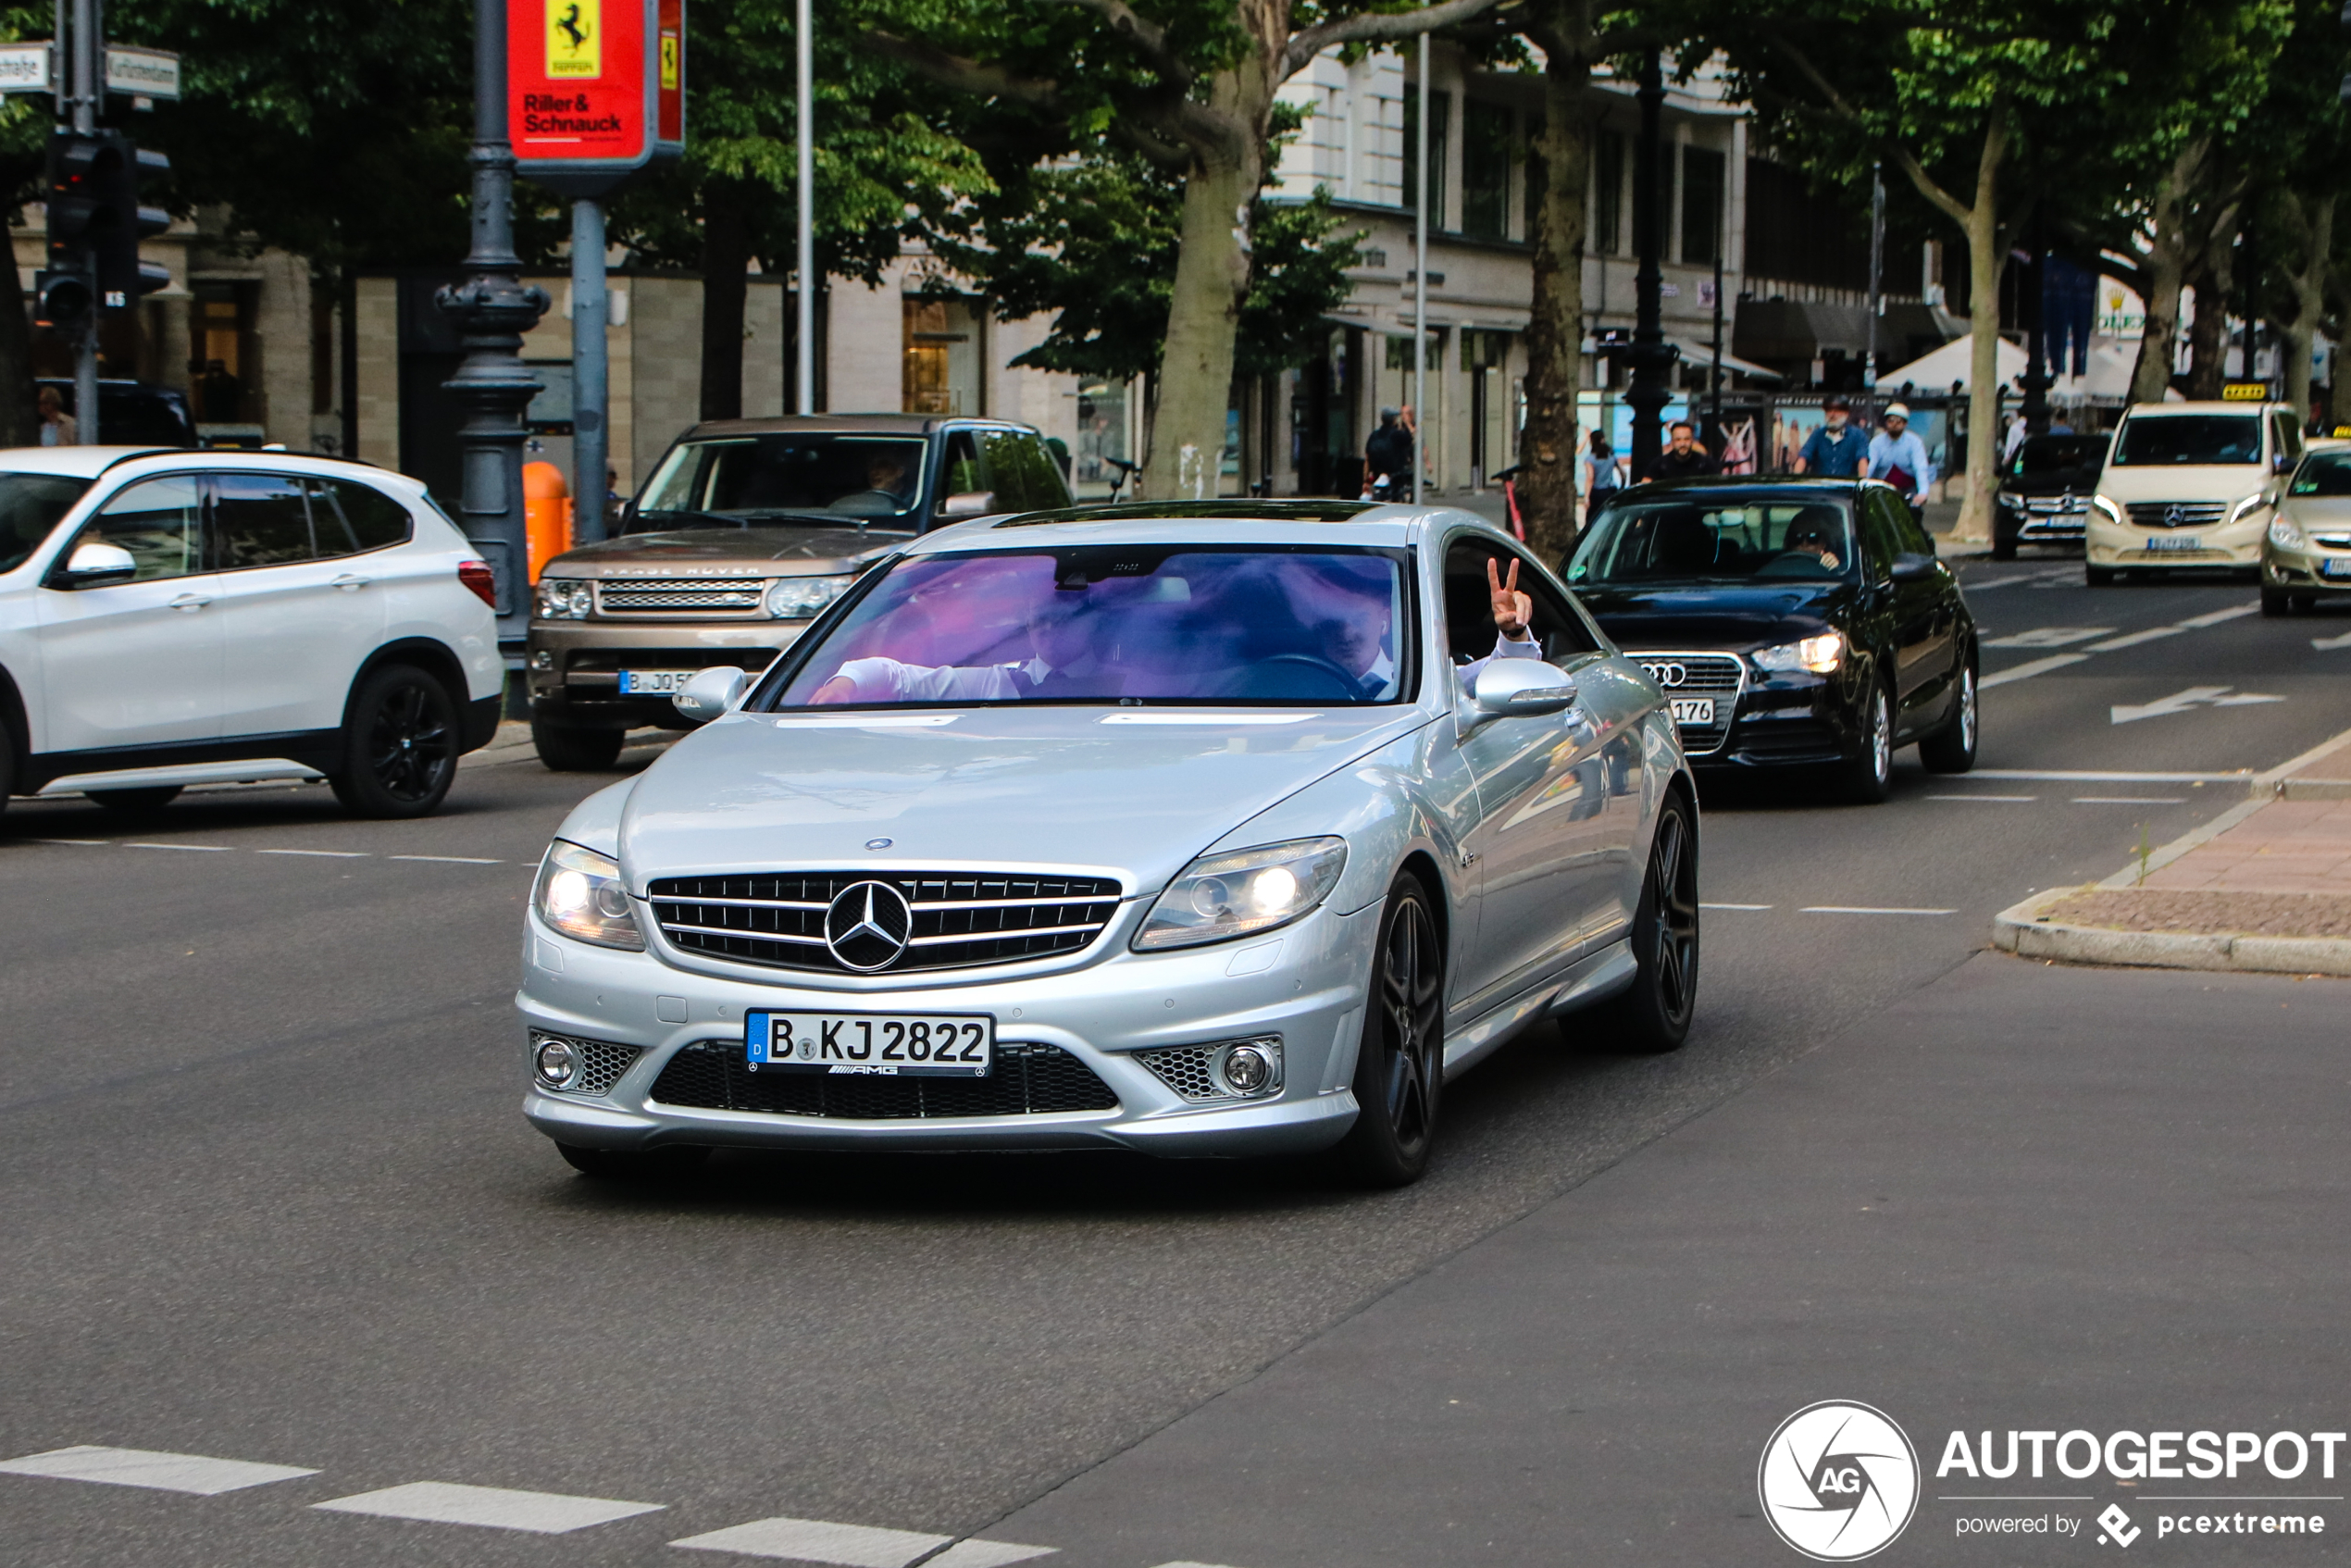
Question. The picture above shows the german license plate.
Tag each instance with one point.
(654, 682)
(2334, 569)
(1693, 710)
(934, 1045)
(2176, 541)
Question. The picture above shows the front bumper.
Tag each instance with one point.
(574, 667)
(1304, 983)
(2109, 543)
(2021, 523)
(1792, 720)
(2304, 571)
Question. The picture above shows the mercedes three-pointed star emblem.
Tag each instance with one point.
(867, 926)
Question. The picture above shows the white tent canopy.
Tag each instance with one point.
(1953, 362)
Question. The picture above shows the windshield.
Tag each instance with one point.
(30, 507)
(1681, 537)
(2323, 473)
(2053, 455)
(1163, 623)
(2189, 438)
(874, 479)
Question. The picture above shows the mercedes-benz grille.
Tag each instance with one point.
(958, 918)
(2176, 514)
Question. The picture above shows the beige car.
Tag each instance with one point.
(2189, 486)
(746, 531)
(2305, 552)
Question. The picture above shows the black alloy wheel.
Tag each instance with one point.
(1869, 774)
(133, 801)
(400, 745)
(669, 1163)
(1400, 1066)
(1654, 1016)
(575, 748)
(1952, 748)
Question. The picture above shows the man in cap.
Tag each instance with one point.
(1897, 456)
(1836, 450)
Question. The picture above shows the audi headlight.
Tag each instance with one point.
(1820, 654)
(580, 894)
(564, 599)
(2285, 536)
(798, 598)
(1243, 891)
(2114, 512)
(2250, 504)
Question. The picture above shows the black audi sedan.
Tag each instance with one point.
(1793, 623)
(2045, 491)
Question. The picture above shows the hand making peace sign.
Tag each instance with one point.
(1512, 610)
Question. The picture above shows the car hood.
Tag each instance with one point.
(1691, 615)
(2080, 481)
(780, 551)
(1111, 790)
(2181, 482)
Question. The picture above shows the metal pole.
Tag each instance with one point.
(2035, 408)
(491, 309)
(805, 345)
(1877, 260)
(1714, 379)
(85, 120)
(1420, 277)
(1648, 393)
(590, 382)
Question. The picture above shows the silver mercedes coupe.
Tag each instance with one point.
(1203, 828)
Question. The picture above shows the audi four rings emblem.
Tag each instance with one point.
(1666, 673)
(868, 925)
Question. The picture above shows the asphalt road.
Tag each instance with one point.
(269, 1199)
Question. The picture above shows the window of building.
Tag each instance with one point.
(1440, 104)
(1485, 170)
(1608, 193)
(1798, 235)
(940, 369)
(1702, 172)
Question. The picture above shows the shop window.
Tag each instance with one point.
(1702, 205)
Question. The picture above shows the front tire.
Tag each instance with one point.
(2003, 546)
(1654, 1016)
(634, 1165)
(574, 748)
(2275, 603)
(2097, 576)
(132, 803)
(1400, 1066)
(1952, 748)
(399, 745)
(1871, 775)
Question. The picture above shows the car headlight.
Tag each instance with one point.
(2251, 503)
(2114, 512)
(579, 893)
(1243, 891)
(2285, 536)
(1820, 654)
(564, 599)
(798, 598)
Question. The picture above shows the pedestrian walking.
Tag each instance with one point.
(1683, 458)
(1897, 456)
(1603, 473)
(1388, 458)
(57, 425)
(1836, 450)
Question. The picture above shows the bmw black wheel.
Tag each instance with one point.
(1654, 1016)
(400, 745)
(1400, 1067)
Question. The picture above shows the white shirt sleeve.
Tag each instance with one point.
(1504, 648)
(886, 681)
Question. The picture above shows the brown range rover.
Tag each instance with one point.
(747, 529)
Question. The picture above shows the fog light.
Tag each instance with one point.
(558, 1062)
(543, 659)
(1247, 1070)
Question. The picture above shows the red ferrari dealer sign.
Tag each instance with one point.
(595, 89)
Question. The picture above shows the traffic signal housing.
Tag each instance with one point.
(123, 279)
(96, 221)
(63, 300)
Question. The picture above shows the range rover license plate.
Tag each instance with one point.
(2175, 541)
(654, 682)
(935, 1045)
(1693, 710)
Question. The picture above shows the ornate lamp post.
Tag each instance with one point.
(1648, 393)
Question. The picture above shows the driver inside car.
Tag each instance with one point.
(1817, 536)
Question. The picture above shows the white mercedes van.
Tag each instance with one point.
(2189, 486)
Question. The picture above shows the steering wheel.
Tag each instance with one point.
(1321, 680)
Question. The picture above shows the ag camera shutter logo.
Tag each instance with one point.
(1839, 1481)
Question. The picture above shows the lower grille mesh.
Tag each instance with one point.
(1028, 1080)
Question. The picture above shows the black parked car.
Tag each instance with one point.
(135, 413)
(1792, 623)
(2044, 492)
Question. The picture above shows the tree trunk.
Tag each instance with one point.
(1195, 382)
(1985, 262)
(2313, 228)
(2166, 270)
(2209, 334)
(1555, 324)
(19, 415)
(725, 260)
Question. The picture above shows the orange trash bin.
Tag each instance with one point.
(546, 510)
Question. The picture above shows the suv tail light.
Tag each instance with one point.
(477, 576)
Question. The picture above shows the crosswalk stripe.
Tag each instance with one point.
(818, 1540)
(143, 1467)
(444, 1502)
(985, 1554)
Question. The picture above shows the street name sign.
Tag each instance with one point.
(595, 89)
(143, 73)
(24, 68)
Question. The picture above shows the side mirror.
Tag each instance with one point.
(2281, 463)
(1909, 567)
(711, 692)
(969, 503)
(98, 565)
(1521, 687)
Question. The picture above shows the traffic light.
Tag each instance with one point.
(96, 221)
(65, 291)
(63, 300)
(122, 277)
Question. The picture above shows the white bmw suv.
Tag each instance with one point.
(173, 618)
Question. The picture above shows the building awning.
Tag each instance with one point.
(1703, 354)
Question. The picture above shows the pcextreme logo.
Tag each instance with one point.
(1839, 1481)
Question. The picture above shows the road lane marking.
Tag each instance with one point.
(2214, 618)
(817, 1541)
(2005, 799)
(2130, 800)
(85, 843)
(2021, 578)
(1864, 909)
(443, 1502)
(1735, 906)
(2063, 776)
(2027, 671)
(2328, 644)
(141, 1467)
(985, 1554)
(200, 849)
(324, 854)
(448, 859)
(2182, 700)
(2049, 636)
